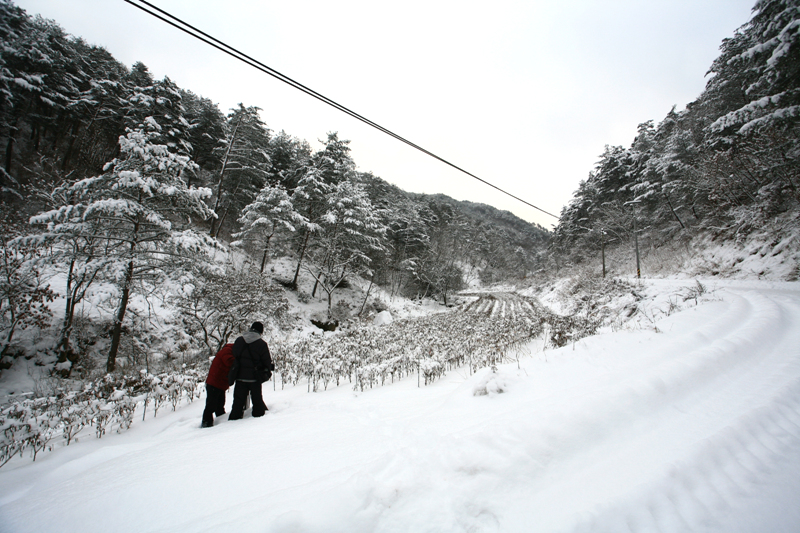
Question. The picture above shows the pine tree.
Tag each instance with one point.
(160, 101)
(289, 157)
(35, 81)
(309, 201)
(206, 129)
(326, 168)
(78, 243)
(245, 164)
(751, 166)
(437, 270)
(95, 119)
(763, 62)
(333, 161)
(407, 239)
(350, 229)
(141, 205)
(271, 212)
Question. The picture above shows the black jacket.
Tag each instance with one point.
(250, 350)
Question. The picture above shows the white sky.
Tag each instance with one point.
(524, 94)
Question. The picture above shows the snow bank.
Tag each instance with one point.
(691, 424)
(384, 317)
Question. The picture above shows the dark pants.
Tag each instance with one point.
(240, 392)
(215, 404)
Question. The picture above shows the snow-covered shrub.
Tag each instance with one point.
(566, 329)
(589, 296)
(74, 417)
(89, 338)
(379, 305)
(491, 385)
(479, 334)
(693, 293)
(303, 297)
(341, 311)
(30, 425)
(212, 306)
(25, 295)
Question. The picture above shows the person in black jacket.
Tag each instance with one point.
(254, 367)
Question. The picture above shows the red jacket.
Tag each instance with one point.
(218, 373)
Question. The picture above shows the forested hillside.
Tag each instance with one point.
(112, 178)
(724, 167)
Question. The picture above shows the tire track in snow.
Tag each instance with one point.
(734, 359)
(730, 468)
(736, 460)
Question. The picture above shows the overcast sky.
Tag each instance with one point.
(524, 94)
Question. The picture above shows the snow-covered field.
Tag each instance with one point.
(691, 423)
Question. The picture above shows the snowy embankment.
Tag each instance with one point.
(693, 425)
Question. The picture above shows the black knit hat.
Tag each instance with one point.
(258, 327)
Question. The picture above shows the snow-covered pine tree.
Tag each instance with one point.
(143, 210)
(161, 99)
(324, 170)
(244, 170)
(289, 158)
(407, 239)
(95, 118)
(206, 129)
(334, 160)
(754, 97)
(36, 82)
(437, 271)
(762, 61)
(271, 212)
(309, 201)
(350, 230)
(77, 244)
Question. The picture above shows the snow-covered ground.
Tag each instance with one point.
(691, 423)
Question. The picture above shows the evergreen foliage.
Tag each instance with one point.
(724, 166)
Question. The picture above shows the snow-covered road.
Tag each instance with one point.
(693, 425)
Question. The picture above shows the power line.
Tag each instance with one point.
(233, 52)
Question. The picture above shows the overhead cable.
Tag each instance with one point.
(174, 21)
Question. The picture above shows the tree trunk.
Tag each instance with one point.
(70, 147)
(36, 137)
(266, 249)
(215, 234)
(222, 173)
(111, 364)
(63, 347)
(316, 284)
(10, 334)
(669, 203)
(371, 281)
(264, 258)
(603, 253)
(300, 260)
(9, 150)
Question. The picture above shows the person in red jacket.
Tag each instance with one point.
(217, 384)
